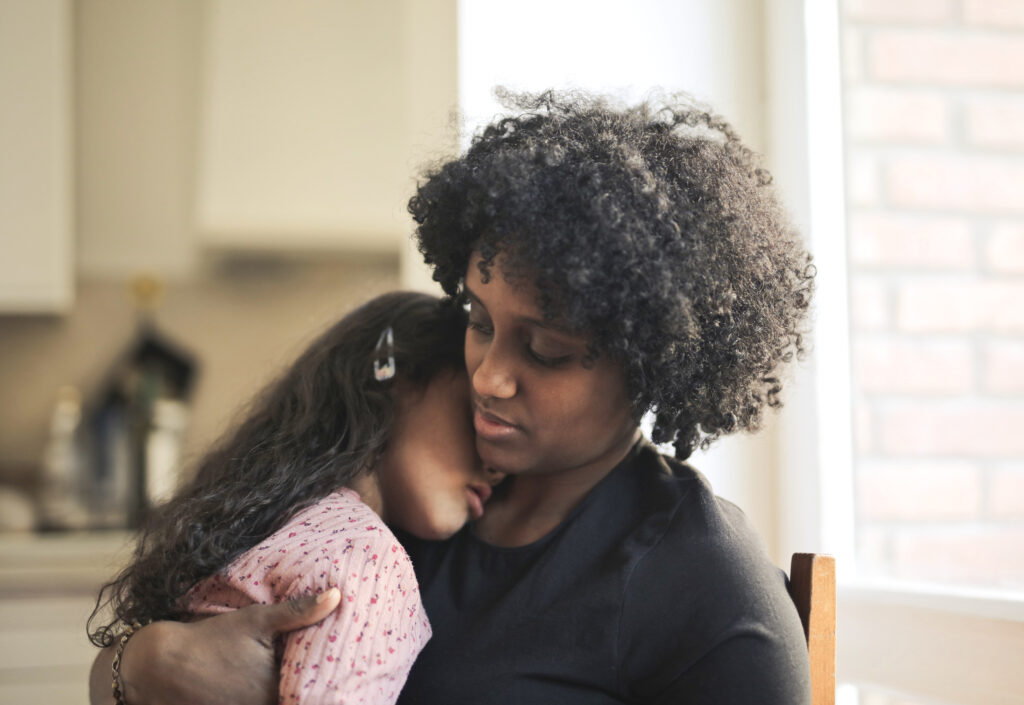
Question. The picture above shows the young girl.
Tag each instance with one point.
(371, 422)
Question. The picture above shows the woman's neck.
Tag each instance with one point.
(535, 504)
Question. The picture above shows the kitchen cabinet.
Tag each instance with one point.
(48, 587)
(36, 199)
(315, 117)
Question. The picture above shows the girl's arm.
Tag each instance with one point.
(227, 658)
(363, 651)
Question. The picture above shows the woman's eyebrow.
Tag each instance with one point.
(473, 297)
(538, 322)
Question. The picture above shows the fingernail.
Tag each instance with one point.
(324, 595)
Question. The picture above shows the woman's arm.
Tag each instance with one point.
(227, 658)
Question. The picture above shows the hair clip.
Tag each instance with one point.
(384, 370)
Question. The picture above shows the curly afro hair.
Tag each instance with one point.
(651, 228)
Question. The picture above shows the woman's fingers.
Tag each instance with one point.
(227, 658)
(271, 620)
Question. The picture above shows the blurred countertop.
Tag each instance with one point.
(60, 563)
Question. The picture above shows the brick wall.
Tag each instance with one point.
(933, 95)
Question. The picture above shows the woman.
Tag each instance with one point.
(614, 262)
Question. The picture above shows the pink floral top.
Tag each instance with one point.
(363, 651)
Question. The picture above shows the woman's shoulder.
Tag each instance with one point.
(695, 547)
(694, 524)
(704, 590)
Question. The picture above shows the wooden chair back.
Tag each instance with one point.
(812, 585)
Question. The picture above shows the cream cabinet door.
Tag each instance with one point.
(48, 587)
(36, 219)
(315, 116)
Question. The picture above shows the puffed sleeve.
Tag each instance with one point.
(706, 618)
(363, 651)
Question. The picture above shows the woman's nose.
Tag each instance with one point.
(494, 477)
(493, 377)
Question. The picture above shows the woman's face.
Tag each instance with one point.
(537, 407)
(431, 479)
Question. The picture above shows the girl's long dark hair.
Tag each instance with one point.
(325, 420)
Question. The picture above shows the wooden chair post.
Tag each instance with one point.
(812, 585)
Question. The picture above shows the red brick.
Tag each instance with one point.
(995, 122)
(994, 13)
(863, 181)
(869, 305)
(1005, 248)
(976, 428)
(946, 58)
(1006, 492)
(1004, 367)
(884, 240)
(895, 115)
(917, 11)
(961, 305)
(992, 557)
(888, 366)
(918, 491)
(973, 183)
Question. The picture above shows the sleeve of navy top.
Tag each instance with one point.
(706, 617)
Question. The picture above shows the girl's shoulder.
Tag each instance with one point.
(336, 542)
(340, 517)
(324, 545)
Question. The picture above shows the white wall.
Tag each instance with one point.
(711, 49)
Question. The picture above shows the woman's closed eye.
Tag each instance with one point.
(548, 360)
(480, 327)
(547, 352)
(541, 356)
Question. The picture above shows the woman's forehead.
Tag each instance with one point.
(514, 292)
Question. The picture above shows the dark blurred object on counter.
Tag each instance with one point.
(136, 428)
(109, 462)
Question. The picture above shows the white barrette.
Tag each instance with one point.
(384, 369)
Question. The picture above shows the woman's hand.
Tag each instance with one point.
(224, 659)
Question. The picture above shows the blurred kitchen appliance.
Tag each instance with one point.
(135, 425)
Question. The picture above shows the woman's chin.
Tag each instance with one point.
(497, 458)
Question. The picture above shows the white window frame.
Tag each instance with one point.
(935, 643)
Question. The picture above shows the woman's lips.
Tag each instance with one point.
(491, 427)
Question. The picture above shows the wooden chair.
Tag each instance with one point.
(812, 585)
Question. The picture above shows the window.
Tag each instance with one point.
(934, 130)
(918, 461)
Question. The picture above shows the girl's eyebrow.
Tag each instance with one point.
(540, 323)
